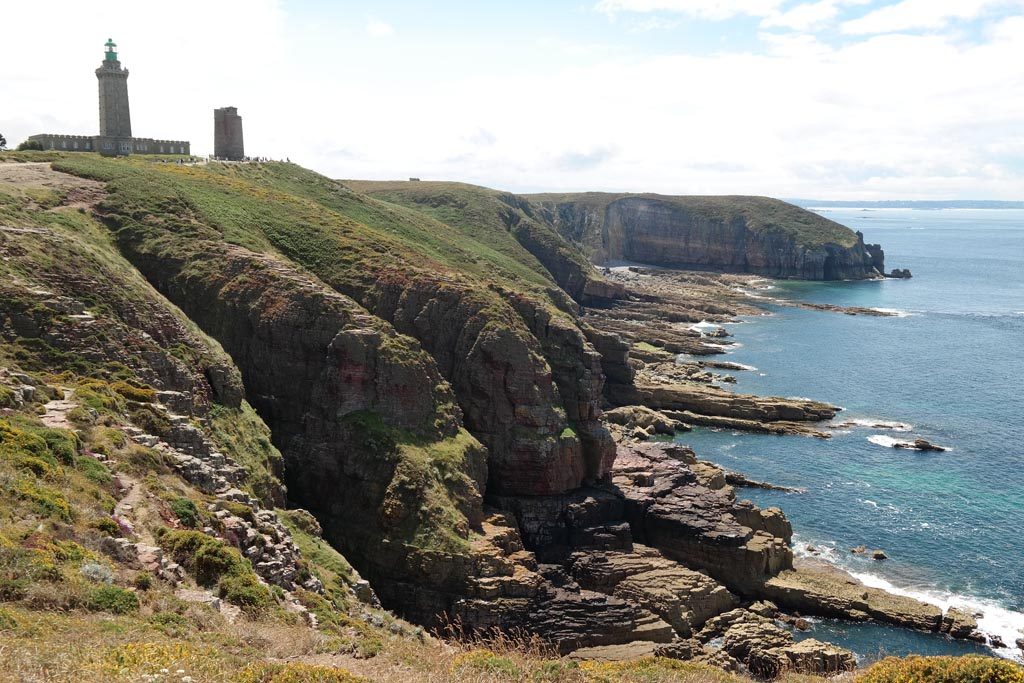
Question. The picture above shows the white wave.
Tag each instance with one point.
(870, 502)
(744, 366)
(720, 347)
(879, 424)
(897, 313)
(995, 620)
(704, 327)
(882, 440)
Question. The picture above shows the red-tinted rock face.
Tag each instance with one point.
(528, 382)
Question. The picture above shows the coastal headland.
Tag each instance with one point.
(275, 393)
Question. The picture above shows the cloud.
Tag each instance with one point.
(808, 15)
(379, 29)
(910, 15)
(482, 137)
(653, 24)
(716, 10)
(576, 160)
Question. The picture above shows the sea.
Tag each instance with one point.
(949, 368)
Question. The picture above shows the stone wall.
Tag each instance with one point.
(111, 146)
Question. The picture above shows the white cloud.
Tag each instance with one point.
(808, 15)
(922, 14)
(705, 9)
(379, 29)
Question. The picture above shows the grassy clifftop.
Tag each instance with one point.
(765, 214)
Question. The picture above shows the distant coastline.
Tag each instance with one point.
(908, 204)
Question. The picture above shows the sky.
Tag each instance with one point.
(836, 99)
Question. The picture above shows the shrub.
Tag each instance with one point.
(151, 420)
(245, 591)
(99, 396)
(135, 393)
(30, 146)
(111, 599)
(106, 525)
(170, 623)
(45, 501)
(144, 581)
(97, 572)
(186, 512)
(296, 672)
(8, 399)
(969, 669)
(487, 662)
(7, 620)
(215, 564)
(93, 470)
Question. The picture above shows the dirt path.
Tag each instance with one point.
(55, 413)
(75, 192)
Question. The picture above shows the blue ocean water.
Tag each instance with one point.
(951, 368)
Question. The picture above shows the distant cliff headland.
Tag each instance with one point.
(739, 234)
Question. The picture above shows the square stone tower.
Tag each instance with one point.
(115, 118)
(227, 134)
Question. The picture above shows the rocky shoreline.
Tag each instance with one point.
(686, 510)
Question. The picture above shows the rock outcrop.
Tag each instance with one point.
(735, 234)
(821, 589)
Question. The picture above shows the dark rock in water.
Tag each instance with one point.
(996, 642)
(960, 624)
(920, 445)
(879, 555)
(859, 550)
(737, 479)
(802, 625)
(1020, 643)
(900, 274)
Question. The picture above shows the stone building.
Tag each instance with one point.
(115, 138)
(227, 134)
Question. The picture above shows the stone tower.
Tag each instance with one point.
(227, 134)
(115, 119)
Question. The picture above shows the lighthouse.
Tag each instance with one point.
(115, 117)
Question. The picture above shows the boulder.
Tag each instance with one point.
(645, 418)
(805, 657)
(682, 597)
(960, 624)
(879, 555)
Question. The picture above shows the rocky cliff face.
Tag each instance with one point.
(728, 233)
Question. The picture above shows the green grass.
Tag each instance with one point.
(760, 214)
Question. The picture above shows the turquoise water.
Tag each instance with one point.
(951, 369)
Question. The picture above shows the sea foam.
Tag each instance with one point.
(995, 620)
(879, 424)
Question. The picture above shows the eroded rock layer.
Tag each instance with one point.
(737, 234)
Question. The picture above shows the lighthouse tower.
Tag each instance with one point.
(115, 120)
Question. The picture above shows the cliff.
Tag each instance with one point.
(734, 234)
